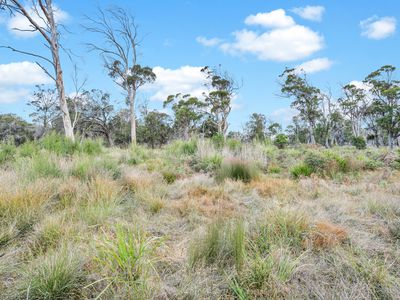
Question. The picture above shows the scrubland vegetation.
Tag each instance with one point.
(198, 220)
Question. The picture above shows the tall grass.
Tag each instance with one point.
(59, 275)
(237, 170)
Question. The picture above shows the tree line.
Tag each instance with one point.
(367, 113)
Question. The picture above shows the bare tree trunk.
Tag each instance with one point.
(132, 115)
(69, 131)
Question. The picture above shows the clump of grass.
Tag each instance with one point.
(281, 228)
(59, 144)
(28, 149)
(222, 244)
(208, 163)
(301, 170)
(48, 234)
(92, 147)
(180, 148)
(238, 170)
(42, 165)
(7, 153)
(327, 235)
(169, 176)
(128, 259)
(137, 155)
(59, 275)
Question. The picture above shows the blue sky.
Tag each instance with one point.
(254, 40)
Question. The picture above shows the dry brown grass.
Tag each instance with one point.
(273, 187)
(326, 235)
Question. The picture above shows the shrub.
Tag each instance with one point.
(137, 155)
(208, 163)
(57, 276)
(359, 142)
(316, 162)
(281, 141)
(7, 153)
(237, 170)
(301, 170)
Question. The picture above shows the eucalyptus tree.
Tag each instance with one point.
(354, 104)
(255, 128)
(222, 88)
(188, 113)
(119, 49)
(306, 99)
(45, 109)
(41, 16)
(386, 100)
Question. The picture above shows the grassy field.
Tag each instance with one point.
(198, 220)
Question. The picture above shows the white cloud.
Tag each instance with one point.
(21, 23)
(282, 44)
(283, 41)
(312, 13)
(185, 80)
(22, 73)
(378, 28)
(315, 65)
(274, 19)
(284, 115)
(15, 77)
(208, 42)
(8, 95)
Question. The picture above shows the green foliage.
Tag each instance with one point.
(128, 257)
(42, 165)
(180, 148)
(234, 145)
(281, 141)
(237, 170)
(222, 244)
(300, 171)
(7, 153)
(169, 176)
(59, 144)
(218, 141)
(56, 276)
(359, 142)
(92, 147)
(28, 149)
(137, 155)
(208, 163)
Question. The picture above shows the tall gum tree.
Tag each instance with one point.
(41, 16)
(119, 50)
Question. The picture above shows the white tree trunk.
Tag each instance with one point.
(132, 115)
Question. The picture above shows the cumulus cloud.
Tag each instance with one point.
(315, 65)
(208, 42)
(274, 19)
(20, 26)
(185, 80)
(282, 44)
(312, 13)
(378, 28)
(15, 77)
(283, 40)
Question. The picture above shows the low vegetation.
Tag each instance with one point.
(198, 219)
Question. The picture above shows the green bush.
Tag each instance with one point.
(208, 164)
(315, 162)
(301, 170)
(237, 170)
(359, 142)
(137, 155)
(43, 166)
(180, 148)
(281, 141)
(7, 153)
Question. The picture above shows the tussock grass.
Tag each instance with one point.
(59, 275)
(237, 170)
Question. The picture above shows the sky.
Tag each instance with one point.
(335, 42)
